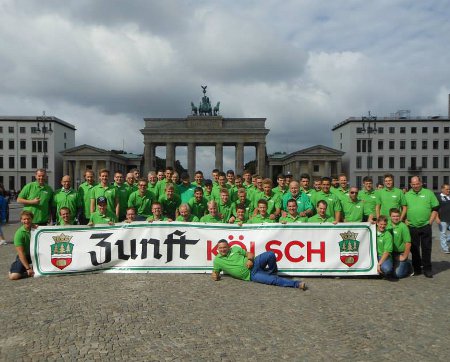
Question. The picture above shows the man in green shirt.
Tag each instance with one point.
(37, 197)
(281, 188)
(334, 207)
(66, 197)
(198, 204)
(102, 215)
(243, 265)
(367, 194)
(170, 202)
(304, 206)
(292, 214)
(84, 191)
(157, 213)
(321, 215)
(212, 216)
(422, 210)
(262, 216)
(152, 185)
(123, 192)
(401, 246)
(353, 208)
(390, 197)
(106, 190)
(384, 247)
(21, 267)
(185, 189)
(141, 200)
(185, 214)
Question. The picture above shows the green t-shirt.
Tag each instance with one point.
(123, 193)
(420, 205)
(153, 189)
(334, 204)
(192, 218)
(234, 263)
(109, 192)
(225, 210)
(280, 192)
(401, 235)
(198, 208)
(142, 204)
(185, 192)
(303, 201)
(70, 199)
(170, 206)
(84, 191)
(41, 212)
(248, 208)
(22, 238)
(211, 219)
(273, 203)
(384, 243)
(320, 220)
(388, 199)
(163, 218)
(258, 219)
(290, 219)
(353, 211)
(97, 218)
(370, 200)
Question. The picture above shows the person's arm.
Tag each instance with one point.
(433, 216)
(215, 275)
(92, 205)
(24, 261)
(404, 256)
(337, 217)
(377, 210)
(116, 200)
(34, 201)
(250, 260)
(383, 258)
(403, 215)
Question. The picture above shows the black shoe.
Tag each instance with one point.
(428, 273)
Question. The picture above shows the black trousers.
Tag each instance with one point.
(421, 240)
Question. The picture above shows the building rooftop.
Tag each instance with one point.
(36, 119)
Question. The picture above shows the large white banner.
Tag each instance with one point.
(301, 249)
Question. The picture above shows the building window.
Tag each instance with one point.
(34, 162)
(369, 145)
(402, 162)
(424, 144)
(424, 180)
(11, 144)
(445, 144)
(1, 144)
(392, 144)
(22, 130)
(435, 144)
(316, 168)
(39, 144)
(413, 129)
(45, 162)
(380, 130)
(1, 131)
(413, 144)
(413, 163)
(11, 162)
(435, 129)
(358, 162)
(45, 146)
(402, 129)
(424, 129)
(23, 144)
(340, 146)
(391, 162)
(435, 182)
(23, 181)
(358, 145)
(359, 181)
(380, 161)
(435, 162)
(402, 144)
(1, 162)
(402, 182)
(369, 162)
(446, 178)
(391, 129)
(65, 135)
(33, 129)
(446, 162)
(23, 161)
(359, 130)
(33, 146)
(446, 129)
(380, 180)
(380, 144)
(10, 129)
(12, 183)
(65, 145)
(424, 162)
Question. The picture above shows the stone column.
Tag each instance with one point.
(76, 175)
(261, 158)
(191, 159)
(108, 166)
(239, 159)
(310, 168)
(95, 168)
(149, 157)
(170, 154)
(339, 167)
(65, 168)
(219, 156)
(327, 172)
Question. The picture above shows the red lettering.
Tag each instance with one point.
(310, 251)
(278, 253)
(287, 251)
(210, 252)
(238, 243)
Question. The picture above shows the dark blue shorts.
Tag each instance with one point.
(17, 266)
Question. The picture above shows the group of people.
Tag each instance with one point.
(403, 218)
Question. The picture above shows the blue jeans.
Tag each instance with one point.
(386, 267)
(401, 268)
(445, 238)
(265, 271)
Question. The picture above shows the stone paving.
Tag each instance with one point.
(189, 317)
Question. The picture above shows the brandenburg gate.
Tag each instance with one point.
(205, 127)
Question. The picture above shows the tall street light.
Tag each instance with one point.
(371, 129)
(45, 129)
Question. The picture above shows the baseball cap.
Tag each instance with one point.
(208, 182)
(101, 200)
(288, 173)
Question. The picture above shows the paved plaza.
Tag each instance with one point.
(189, 317)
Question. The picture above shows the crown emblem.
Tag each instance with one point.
(349, 235)
(61, 251)
(349, 248)
(62, 238)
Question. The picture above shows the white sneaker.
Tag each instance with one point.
(3, 242)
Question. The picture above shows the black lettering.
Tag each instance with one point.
(102, 244)
(182, 241)
(155, 243)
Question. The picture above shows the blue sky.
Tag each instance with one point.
(304, 65)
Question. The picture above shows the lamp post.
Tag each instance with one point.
(371, 129)
(46, 129)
